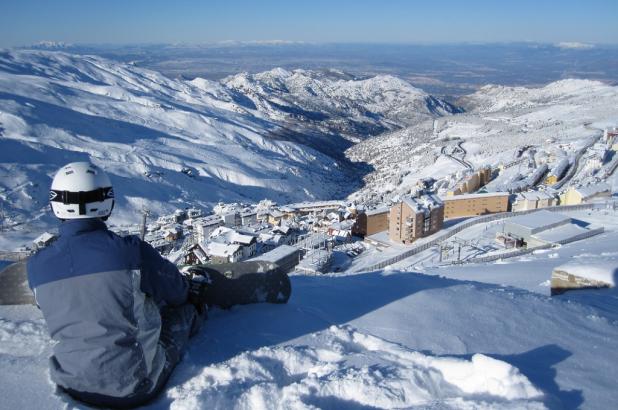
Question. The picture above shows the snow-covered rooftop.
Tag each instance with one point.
(560, 233)
(591, 190)
(316, 204)
(222, 249)
(535, 195)
(208, 220)
(559, 168)
(44, 237)
(277, 254)
(423, 203)
(539, 219)
(377, 211)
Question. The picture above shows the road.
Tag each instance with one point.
(462, 161)
(575, 166)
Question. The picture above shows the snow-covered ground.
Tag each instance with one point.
(371, 340)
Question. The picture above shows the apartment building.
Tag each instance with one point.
(371, 222)
(460, 206)
(534, 200)
(590, 193)
(472, 182)
(414, 218)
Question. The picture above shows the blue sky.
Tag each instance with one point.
(446, 21)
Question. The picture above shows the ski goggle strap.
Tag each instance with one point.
(81, 197)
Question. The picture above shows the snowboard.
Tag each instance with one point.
(243, 283)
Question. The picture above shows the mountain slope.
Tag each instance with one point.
(170, 143)
(338, 102)
(144, 129)
(498, 121)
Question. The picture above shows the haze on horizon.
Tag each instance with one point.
(28, 22)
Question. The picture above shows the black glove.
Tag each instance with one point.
(198, 292)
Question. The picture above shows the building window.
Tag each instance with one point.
(427, 224)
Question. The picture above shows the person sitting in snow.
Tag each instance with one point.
(120, 313)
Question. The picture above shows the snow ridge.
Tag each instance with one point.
(339, 101)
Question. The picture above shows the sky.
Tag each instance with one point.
(25, 22)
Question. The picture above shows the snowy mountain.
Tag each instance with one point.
(168, 143)
(494, 98)
(338, 102)
(498, 121)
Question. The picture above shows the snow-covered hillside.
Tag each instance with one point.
(168, 143)
(498, 121)
(337, 102)
(494, 98)
(144, 129)
(415, 335)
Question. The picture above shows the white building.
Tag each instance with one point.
(229, 236)
(585, 194)
(248, 217)
(194, 213)
(205, 226)
(231, 219)
(534, 200)
(224, 253)
(43, 240)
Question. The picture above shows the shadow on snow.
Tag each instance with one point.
(335, 300)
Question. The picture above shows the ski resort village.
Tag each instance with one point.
(523, 205)
(447, 253)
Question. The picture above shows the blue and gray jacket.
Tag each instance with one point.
(100, 295)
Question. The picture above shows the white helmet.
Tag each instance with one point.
(81, 190)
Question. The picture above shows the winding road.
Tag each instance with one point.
(462, 160)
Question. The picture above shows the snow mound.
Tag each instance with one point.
(354, 369)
